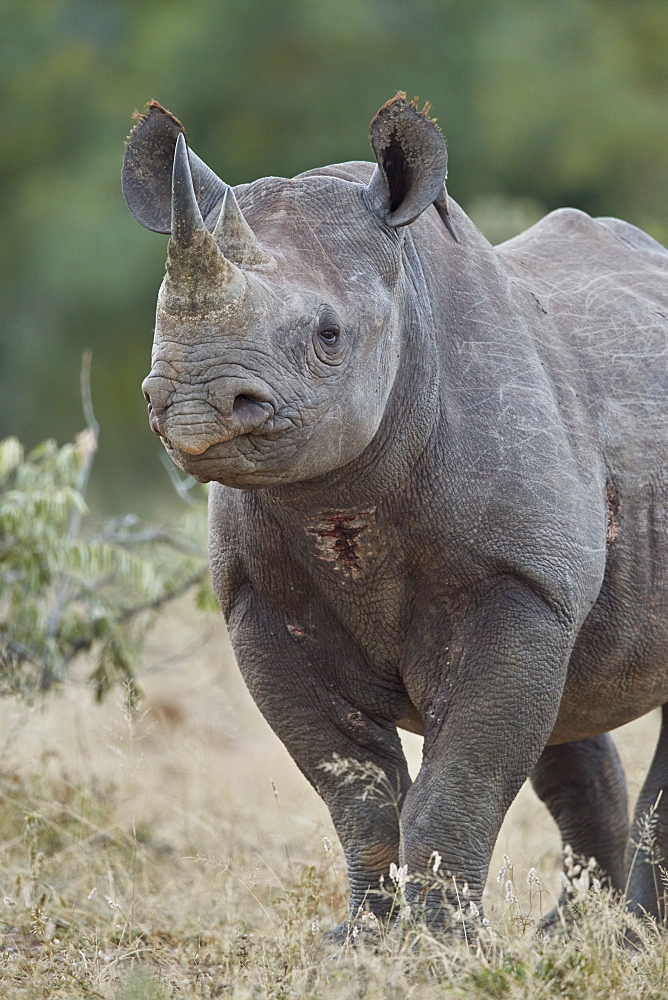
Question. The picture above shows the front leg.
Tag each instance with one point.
(291, 679)
(496, 700)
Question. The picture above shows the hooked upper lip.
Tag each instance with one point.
(251, 419)
(229, 456)
(192, 424)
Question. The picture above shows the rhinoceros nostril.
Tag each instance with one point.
(249, 413)
(246, 406)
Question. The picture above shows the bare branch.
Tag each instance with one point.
(181, 485)
(158, 602)
(87, 447)
(85, 642)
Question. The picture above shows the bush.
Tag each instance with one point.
(67, 588)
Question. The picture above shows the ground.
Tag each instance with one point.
(179, 853)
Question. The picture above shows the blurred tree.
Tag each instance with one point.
(550, 103)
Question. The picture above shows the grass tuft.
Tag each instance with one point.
(140, 984)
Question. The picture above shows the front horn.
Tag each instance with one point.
(187, 221)
(199, 276)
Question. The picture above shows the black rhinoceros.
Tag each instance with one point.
(439, 483)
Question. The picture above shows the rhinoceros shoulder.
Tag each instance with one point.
(632, 236)
(569, 230)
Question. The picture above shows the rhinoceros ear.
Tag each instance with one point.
(147, 171)
(412, 161)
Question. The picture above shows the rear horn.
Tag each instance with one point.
(235, 237)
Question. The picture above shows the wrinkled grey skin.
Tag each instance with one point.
(453, 524)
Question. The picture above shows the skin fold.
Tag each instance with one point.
(439, 493)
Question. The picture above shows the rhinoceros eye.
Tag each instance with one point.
(328, 339)
(330, 335)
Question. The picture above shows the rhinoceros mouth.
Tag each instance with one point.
(248, 416)
(256, 458)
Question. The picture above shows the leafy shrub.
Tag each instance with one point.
(67, 588)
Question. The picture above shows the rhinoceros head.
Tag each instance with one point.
(278, 335)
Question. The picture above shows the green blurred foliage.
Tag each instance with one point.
(67, 589)
(543, 102)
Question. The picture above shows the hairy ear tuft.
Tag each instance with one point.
(411, 161)
(426, 108)
(155, 108)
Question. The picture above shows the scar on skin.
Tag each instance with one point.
(613, 501)
(295, 630)
(337, 538)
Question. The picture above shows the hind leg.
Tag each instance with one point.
(647, 850)
(583, 786)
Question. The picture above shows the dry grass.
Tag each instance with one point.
(183, 855)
